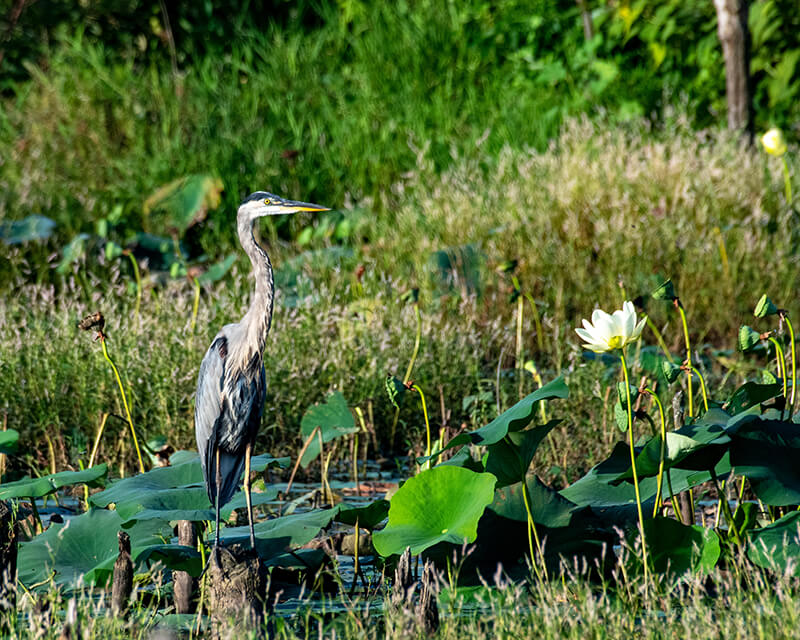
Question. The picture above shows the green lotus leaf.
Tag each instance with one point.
(548, 507)
(280, 535)
(40, 487)
(705, 434)
(77, 547)
(777, 546)
(596, 488)
(514, 419)
(766, 452)
(173, 556)
(217, 272)
(675, 548)
(334, 419)
(9, 439)
(442, 504)
(749, 395)
(509, 459)
(368, 517)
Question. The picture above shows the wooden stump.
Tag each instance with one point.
(122, 585)
(237, 586)
(8, 564)
(183, 583)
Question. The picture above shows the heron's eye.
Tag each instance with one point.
(266, 201)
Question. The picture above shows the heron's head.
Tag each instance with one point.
(262, 203)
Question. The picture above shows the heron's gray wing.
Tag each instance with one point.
(209, 401)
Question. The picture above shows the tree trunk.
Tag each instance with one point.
(735, 38)
(122, 584)
(237, 587)
(183, 583)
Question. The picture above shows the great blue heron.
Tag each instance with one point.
(231, 383)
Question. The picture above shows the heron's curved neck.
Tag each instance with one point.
(258, 319)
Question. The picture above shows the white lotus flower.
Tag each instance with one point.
(773, 142)
(608, 332)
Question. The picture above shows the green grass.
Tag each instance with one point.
(726, 604)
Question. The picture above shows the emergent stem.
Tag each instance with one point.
(703, 389)
(781, 358)
(124, 402)
(794, 361)
(633, 461)
(427, 423)
(532, 529)
(660, 481)
(138, 277)
(688, 357)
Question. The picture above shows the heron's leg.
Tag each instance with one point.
(219, 489)
(247, 453)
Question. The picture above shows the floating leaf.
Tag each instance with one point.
(279, 535)
(334, 419)
(442, 504)
(40, 487)
(79, 546)
(34, 227)
(367, 517)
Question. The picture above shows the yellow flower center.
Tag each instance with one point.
(615, 342)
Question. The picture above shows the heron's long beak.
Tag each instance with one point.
(292, 206)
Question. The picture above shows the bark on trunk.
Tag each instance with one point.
(123, 576)
(735, 38)
(183, 583)
(237, 586)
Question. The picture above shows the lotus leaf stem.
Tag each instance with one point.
(781, 358)
(409, 369)
(532, 530)
(689, 393)
(518, 350)
(124, 401)
(633, 461)
(660, 480)
(703, 389)
(675, 507)
(417, 388)
(794, 361)
(97, 439)
(726, 509)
